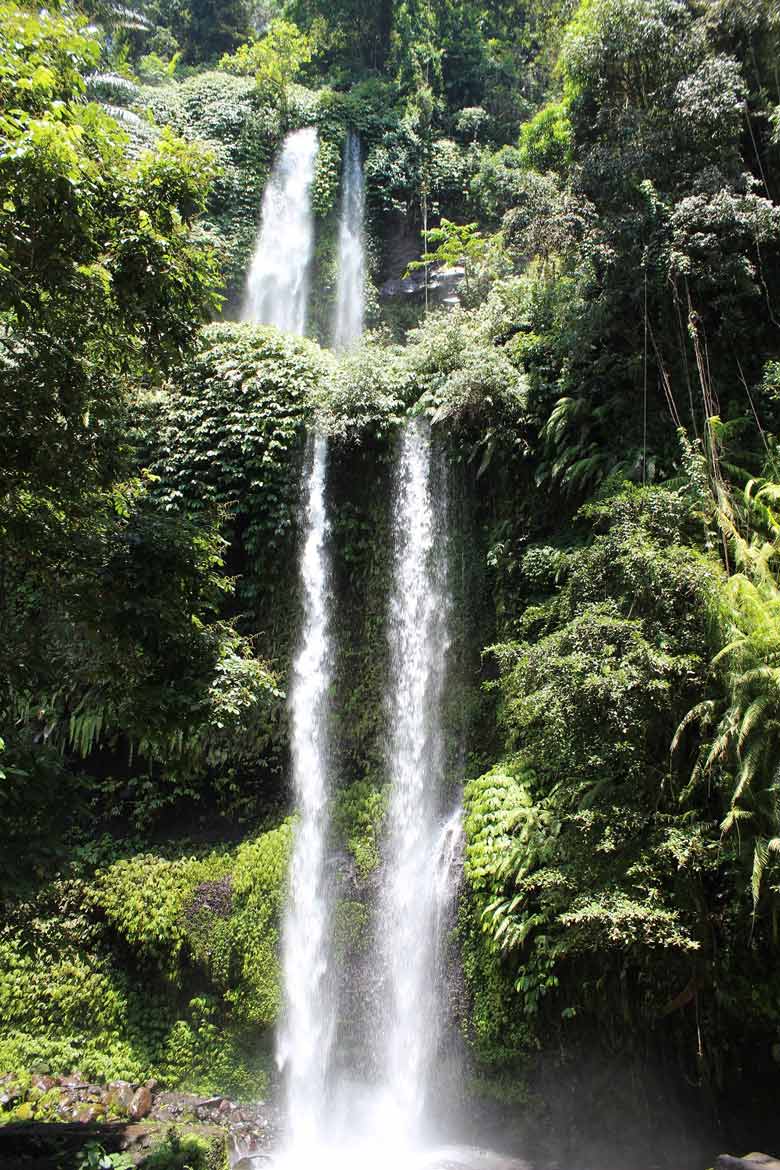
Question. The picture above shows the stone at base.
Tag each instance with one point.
(749, 1162)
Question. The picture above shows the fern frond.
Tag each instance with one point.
(752, 717)
(760, 858)
(701, 713)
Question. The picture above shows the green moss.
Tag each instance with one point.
(350, 927)
(202, 1056)
(497, 1033)
(155, 975)
(144, 899)
(357, 817)
(245, 957)
(181, 1150)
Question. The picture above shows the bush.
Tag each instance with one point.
(231, 435)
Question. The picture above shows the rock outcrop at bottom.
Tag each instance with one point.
(49, 1145)
(37, 1110)
(749, 1162)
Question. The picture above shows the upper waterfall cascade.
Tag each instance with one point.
(277, 291)
(350, 292)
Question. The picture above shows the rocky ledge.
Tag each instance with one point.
(749, 1162)
(74, 1101)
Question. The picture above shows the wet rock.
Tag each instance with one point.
(141, 1104)
(88, 1113)
(749, 1162)
(119, 1096)
(171, 1106)
(44, 1083)
(74, 1080)
(443, 285)
(10, 1093)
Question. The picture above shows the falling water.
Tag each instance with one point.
(350, 307)
(350, 1124)
(417, 886)
(278, 283)
(307, 1033)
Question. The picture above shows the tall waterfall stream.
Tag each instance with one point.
(328, 1118)
(350, 295)
(277, 290)
(415, 888)
(307, 1031)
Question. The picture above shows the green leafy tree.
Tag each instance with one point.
(216, 27)
(354, 34)
(546, 141)
(100, 277)
(275, 61)
(103, 283)
(204, 29)
(452, 244)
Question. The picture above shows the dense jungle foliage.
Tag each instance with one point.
(605, 173)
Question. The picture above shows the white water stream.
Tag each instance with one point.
(349, 1125)
(306, 1035)
(350, 291)
(277, 290)
(416, 888)
(377, 1124)
(277, 294)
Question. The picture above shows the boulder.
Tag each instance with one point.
(173, 1106)
(749, 1162)
(141, 1104)
(74, 1080)
(119, 1096)
(91, 1112)
(10, 1093)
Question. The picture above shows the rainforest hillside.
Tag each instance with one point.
(573, 241)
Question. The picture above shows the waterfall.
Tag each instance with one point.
(340, 1121)
(307, 1032)
(277, 293)
(278, 282)
(417, 888)
(349, 313)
